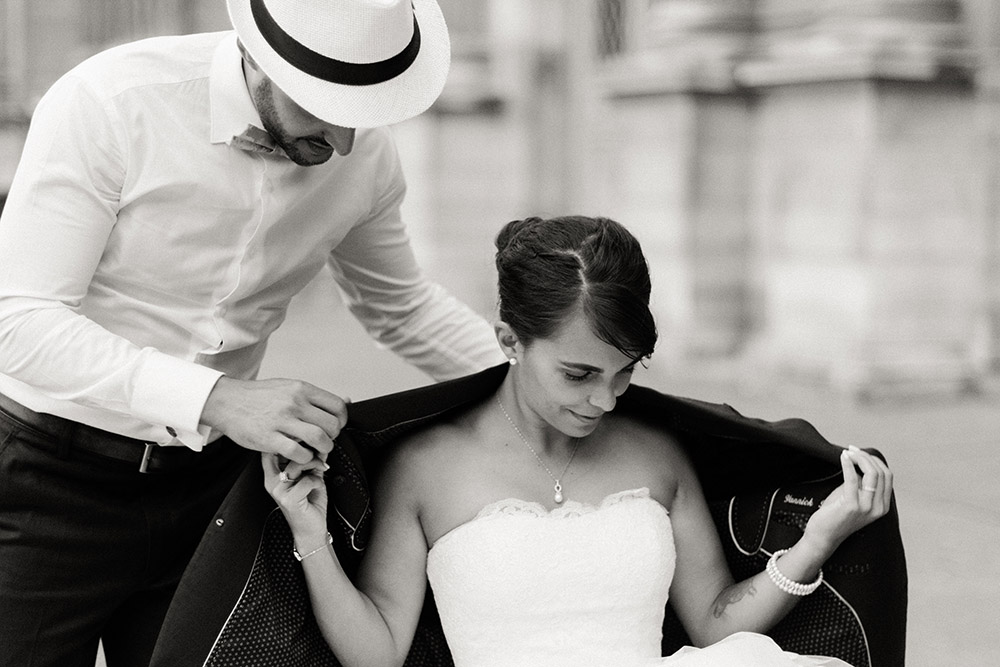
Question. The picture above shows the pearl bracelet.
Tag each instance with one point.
(302, 557)
(786, 584)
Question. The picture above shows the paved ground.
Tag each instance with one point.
(945, 454)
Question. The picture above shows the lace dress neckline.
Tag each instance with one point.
(569, 509)
(580, 584)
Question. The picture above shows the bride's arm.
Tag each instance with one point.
(374, 623)
(710, 605)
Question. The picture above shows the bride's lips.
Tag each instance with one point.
(587, 419)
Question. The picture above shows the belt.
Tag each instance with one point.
(148, 457)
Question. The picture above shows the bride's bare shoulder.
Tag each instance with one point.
(645, 437)
(437, 446)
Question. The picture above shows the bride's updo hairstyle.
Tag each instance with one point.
(549, 268)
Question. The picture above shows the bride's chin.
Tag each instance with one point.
(581, 425)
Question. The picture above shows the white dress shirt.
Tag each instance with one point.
(144, 252)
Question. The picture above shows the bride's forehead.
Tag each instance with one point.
(575, 328)
(576, 342)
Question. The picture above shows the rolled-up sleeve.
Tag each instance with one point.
(387, 292)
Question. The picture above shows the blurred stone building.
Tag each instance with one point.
(815, 183)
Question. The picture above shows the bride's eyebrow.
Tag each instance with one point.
(581, 367)
(595, 369)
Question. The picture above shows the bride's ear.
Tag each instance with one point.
(509, 343)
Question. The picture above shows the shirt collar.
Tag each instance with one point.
(234, 119)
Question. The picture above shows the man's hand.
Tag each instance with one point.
(287, 417)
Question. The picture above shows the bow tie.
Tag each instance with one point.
(255, 140)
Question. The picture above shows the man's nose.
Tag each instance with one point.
(341, 138)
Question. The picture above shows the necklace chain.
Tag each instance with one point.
(558, 497)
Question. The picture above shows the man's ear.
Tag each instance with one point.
(510, 345)
(247, 58)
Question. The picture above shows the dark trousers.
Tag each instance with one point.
(91, 549)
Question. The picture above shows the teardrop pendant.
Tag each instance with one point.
(558, 496)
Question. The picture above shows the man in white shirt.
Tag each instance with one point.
(173, 195)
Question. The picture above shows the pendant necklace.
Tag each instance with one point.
(558, 496)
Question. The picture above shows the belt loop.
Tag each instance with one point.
(144, 464)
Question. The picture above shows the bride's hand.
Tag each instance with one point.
(300, 491)
(860, 500)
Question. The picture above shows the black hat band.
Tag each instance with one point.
(331, 69)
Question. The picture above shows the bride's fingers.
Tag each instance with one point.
(272, 469)
(851, 479)
(886, 481)
(293, 482)
(297, 496)
(872, 485)
(295, 470)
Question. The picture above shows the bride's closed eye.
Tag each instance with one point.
(586, 375)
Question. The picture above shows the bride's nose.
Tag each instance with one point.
(604, 397)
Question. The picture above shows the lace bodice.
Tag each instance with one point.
(580, 584)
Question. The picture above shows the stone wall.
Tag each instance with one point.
(811, 180)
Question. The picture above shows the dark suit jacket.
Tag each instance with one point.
(243, 601)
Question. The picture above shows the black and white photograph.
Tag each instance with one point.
(499, 333)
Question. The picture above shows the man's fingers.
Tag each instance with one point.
(329, 424)
(288, 417)
(330, 404)
(310, 437)
(317, 420)
(290, 448)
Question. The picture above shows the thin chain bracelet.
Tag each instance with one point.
(786, 584)
(301, 557)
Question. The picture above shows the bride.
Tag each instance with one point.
(551, 529)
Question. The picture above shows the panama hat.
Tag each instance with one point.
(352, 63)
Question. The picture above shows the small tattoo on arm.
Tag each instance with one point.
(734, 593)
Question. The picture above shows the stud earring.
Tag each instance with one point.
(513, 361)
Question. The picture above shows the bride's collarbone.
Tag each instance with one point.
(472, 473)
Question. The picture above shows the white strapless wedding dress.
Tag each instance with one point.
(580, 585)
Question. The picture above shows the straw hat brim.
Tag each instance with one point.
(374, 105)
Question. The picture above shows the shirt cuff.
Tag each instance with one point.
(172, 392)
